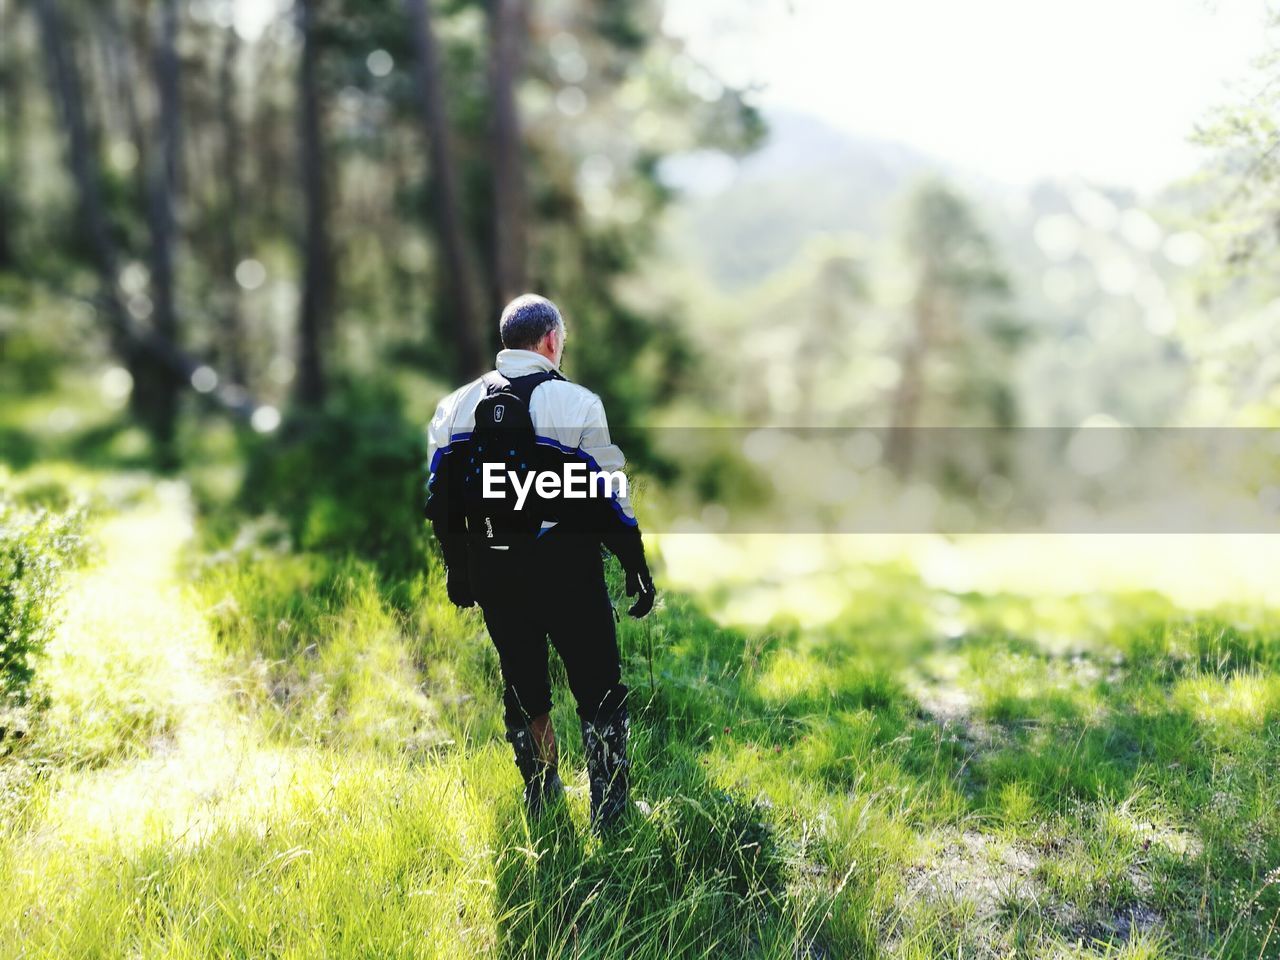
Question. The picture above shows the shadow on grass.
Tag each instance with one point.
(1137, 805)
(700, 874)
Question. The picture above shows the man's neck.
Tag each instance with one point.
(524, 360)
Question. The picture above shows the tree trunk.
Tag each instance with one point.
(153, 401)
(64, 80)
(909, 396)
(8, 222)
(314, 320)
(133, 345)
(457, 278)
(161, 389)
(232, 339)
(124, 78)
(11, 94)
(270, 164)
(507, 32)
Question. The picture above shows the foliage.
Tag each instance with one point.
(1243, 137)
(593, 199)
(960, 282)
(1234, 202)
(351, 477)
(36, 548)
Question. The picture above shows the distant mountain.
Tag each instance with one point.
(799, 144)
(744, 222)
(1094, 273)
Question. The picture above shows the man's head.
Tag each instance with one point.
(531, 322)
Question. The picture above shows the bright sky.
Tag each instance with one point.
(251, 17)
(1014, 89)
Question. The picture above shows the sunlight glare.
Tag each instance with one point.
(252, 17)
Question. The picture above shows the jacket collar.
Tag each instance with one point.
(521, 363)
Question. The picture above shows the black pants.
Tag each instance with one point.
(552, 589)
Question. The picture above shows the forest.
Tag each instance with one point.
(960, 497)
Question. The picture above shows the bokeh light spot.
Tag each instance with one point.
(250, 274)
(265, 419)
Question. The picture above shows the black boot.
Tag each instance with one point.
(542, 785)
(605, 743)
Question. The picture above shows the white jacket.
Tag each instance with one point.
(565, 415)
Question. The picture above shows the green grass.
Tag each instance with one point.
(253, 749)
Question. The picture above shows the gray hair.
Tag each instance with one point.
(526, 320)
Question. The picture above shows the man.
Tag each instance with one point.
(550, 583)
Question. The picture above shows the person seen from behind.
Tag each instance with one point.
(533, 562)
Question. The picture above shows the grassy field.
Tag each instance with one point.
(253, 749)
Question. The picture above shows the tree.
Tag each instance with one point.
(507, 32)
(595, 198)
(1243, 190)
(181, 165)
(150, 354)
(11, 78)
(1228, 322)
(314, 320)
(64, 82)
(158, 388)
(955, 313)
(232, 333)
(457, 277)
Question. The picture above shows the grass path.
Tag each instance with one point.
(137, 694)
(172, 823)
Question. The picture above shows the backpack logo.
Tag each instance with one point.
(498, 411)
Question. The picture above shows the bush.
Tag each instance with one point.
(348, 480)
(35, 549)
(31, 362)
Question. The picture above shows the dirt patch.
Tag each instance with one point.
(986, 884)
(951, 708)
(977, 870)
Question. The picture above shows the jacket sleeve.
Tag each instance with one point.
(614, 518)
(444, 506)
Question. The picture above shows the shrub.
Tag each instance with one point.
(348, 480)
(35, 549)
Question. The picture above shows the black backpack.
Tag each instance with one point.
(504, 436)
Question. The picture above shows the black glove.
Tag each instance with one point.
(639, 582)
(459, 586)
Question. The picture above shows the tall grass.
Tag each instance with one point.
(258, 746)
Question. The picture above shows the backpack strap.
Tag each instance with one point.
(523, 387)
(494, 382)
